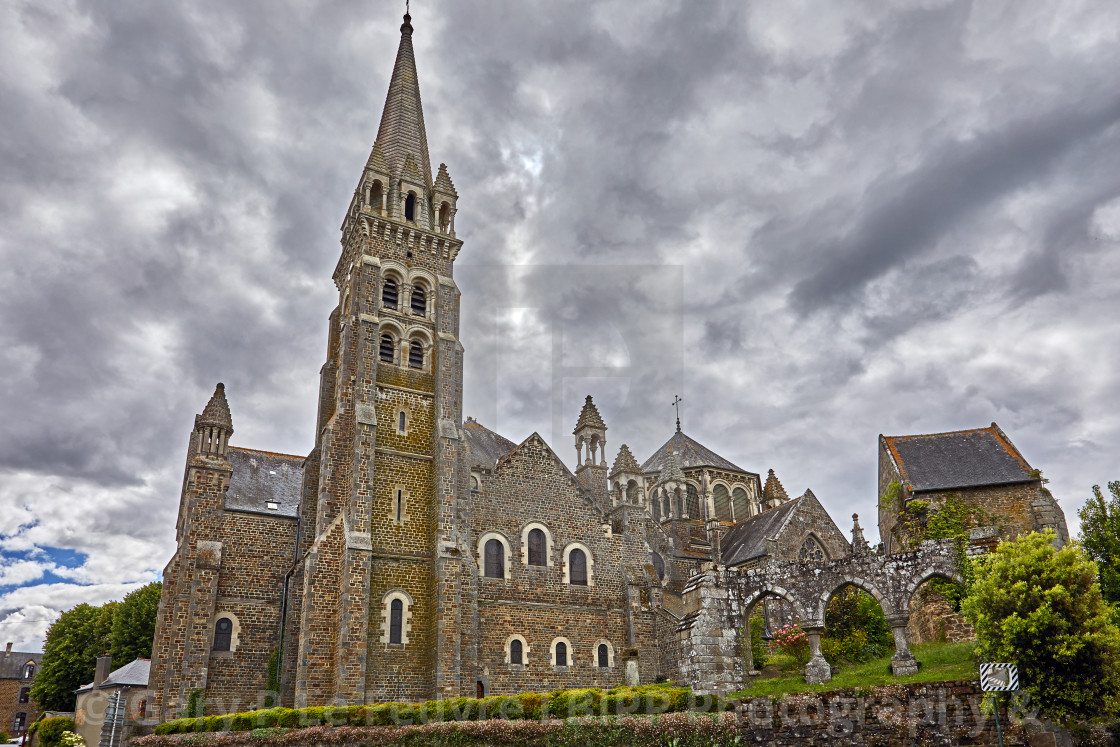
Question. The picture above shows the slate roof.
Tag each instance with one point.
(747, 538)
(486, 446)
(133, 674)
(689, 453)
(958, 459)
(11, 667)
(263, 476)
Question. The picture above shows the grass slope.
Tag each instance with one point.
(939, 661)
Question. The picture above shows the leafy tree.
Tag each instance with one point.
(855, 628)
(74, 641)
(1100, 536)
(134, 625)
(1041, 608)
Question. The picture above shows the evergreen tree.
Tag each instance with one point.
(1041, 608)
(1100, 536)
(134, 625)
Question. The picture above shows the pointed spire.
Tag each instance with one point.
(217, 410)
(773, 490)
(859, 544)
(402, 130)
(589, 416)
(625, 462)
(376, 160)
(444, 183)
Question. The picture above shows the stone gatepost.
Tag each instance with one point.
(710, 659)
(818, 670)
(903, 662)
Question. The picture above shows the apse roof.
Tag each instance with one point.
(688, 452)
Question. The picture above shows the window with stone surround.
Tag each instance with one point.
(25, 695)
(494, 556)
(740, 506)
(721, 496)
(418, 301)
(658, 565)
(410, 206)
(578, 565)
(396, 616)
(223, 634)
(387, 348)
(390, 293)
(536, 544)
(561, 653)
(604, 654)
(693, 503)
(517, 650)
(811, 551)
(416, 354)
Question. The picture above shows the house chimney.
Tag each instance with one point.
(8, 650)
(104, 663)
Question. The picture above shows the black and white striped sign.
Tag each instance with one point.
(999, 677)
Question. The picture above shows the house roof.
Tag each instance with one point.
(11, 666)
(486, 446)
(133, 674)
(747, 538)
(688, 452)
(261, 477)
(958, 459)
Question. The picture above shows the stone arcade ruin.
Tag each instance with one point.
(719, 600)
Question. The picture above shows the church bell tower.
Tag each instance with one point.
(378, 540)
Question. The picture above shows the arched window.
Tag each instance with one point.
(655, 505)
(693, 503)
(415, 354)
(29, 671)
(444, 216)
(723, 502)
(516, 655)
(537, 550)
(603, 655)
(665, 512)
(811, 551)
(658, 565)
(396, 621)
(390, 293)
(632, 495)
(495, 560)
(418, 301)
(375, 193)
(25, 695)
(474, 484)
(577, 568)
(386, 348)
(740, 505)
(410, 206)
(561, 654)
(223, 634)
(402, 422)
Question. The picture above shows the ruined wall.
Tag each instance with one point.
(932, 619)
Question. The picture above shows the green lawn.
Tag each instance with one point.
(939, 661)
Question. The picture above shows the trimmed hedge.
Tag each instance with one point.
(671, 729)
(559, 704)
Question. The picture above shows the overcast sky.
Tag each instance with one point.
(816, 222)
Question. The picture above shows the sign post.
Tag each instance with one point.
(998, 678)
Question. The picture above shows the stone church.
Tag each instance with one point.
(413, 554)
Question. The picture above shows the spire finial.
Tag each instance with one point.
(677, 404)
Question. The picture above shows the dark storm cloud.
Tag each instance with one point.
(815, 226)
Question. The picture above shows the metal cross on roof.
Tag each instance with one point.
(677, 404)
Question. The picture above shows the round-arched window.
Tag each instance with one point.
(494, 560)
(658, 565)
(223, 634)
(577, 568)
(561, 654)
(604, 655)
(515, 652)
(537, 548)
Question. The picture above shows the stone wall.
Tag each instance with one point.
(932, 619)
(10, 705)
(943, 713)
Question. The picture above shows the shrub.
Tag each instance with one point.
(70, 739)
(50, 730)
(792, 641)
(4, 736)
(1041, 608)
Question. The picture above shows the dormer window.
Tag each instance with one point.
(272, 505)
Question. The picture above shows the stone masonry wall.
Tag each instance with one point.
(256, 552)
(10, 705)
(532, 485)
(932, 619)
